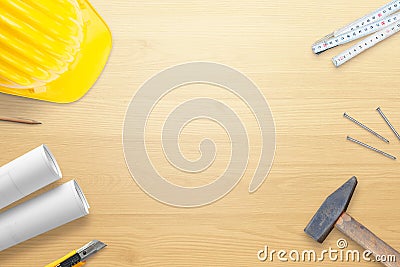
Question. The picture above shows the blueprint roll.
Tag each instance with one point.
(27, 174)
(41, 214)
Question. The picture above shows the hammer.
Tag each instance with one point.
(332, 214)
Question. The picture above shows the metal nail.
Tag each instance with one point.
(388, 122)
(365, 127)
(371, 148)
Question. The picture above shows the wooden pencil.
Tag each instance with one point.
(18, 120)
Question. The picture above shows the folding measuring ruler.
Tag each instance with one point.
(379, 25)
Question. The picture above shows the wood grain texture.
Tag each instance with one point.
(270, 42)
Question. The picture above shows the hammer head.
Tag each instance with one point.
(326, 217)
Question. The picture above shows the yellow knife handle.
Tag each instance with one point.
(69, 255)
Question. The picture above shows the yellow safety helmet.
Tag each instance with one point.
(52, 50)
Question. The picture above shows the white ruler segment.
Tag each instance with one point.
(384, 22)
(365, 44)
(378, 14)
(355, 34)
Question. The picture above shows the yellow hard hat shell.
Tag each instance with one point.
(52, 50)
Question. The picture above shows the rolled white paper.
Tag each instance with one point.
(41, 214)
(27, 174)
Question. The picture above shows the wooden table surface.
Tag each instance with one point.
(269, 41)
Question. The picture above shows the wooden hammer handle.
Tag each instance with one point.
(360, 234)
